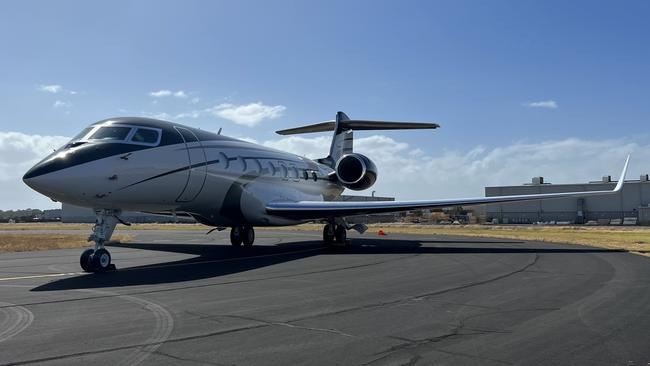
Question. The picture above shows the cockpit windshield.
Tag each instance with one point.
(113, 133)
(135, 135)
(81, 134)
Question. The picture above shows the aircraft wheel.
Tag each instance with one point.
(248, 236)
(236, 236)
(101, 260)
(86, 260)
(340, 234)
(328, 235)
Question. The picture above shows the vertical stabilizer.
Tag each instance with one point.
(343, 139)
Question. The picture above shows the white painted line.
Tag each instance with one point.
(158, 266)
(41, 276)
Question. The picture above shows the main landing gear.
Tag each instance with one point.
(242, 235)
(335, 234)
(99, 259)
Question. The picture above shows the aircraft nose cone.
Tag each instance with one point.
(39, 177)
(39, 169)
(34, 177)
(31, 173)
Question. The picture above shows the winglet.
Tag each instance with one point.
(621, 179)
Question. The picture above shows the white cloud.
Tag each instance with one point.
(173, 117)
(54, 88)
(248, 114)
(162, 115)
(311, 147)
(18, 153)
(168, 93)
(61, 104)
(188, 114)
(410, 173)
(548, 104)
(195, 100)
(160, 93)
(248, 139)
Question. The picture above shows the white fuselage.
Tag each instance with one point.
(220, 181)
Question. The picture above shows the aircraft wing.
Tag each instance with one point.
(327, 209)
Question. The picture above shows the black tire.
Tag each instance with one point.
(248, 236)
(86, 260)
(340, 234)
(235, 236)
(101, 260)
(328, 235)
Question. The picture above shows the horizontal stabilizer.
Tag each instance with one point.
(358, 125)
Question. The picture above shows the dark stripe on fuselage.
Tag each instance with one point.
(80, 155)
(94, 150)
(188, 167)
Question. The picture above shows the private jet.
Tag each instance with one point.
(148, 165)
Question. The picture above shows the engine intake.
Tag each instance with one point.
(356, 172)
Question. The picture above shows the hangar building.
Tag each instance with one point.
(631, 206)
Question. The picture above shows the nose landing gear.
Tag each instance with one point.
(99, 259)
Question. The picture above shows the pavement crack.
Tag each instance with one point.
(412, 361)
(128, 347)
(480, 358)
(423, 296)
(489, 280)
(287, 324)
(411, 345)
(181, 288)
(184, 359)
(458, 330)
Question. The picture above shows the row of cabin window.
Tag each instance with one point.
(286, 171)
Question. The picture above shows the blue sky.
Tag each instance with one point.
(476, 67)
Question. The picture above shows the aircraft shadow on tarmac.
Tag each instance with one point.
(220, 260)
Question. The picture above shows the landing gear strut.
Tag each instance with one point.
(99, 259)
(242, 235)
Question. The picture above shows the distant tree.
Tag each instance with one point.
(26, 215)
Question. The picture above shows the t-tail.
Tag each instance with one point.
(344, 127)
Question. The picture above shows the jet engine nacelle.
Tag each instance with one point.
(356, 172)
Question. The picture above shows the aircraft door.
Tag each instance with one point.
(197, 166)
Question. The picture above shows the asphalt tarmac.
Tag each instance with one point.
(184, 298)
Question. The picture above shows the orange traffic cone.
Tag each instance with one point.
(381, 233)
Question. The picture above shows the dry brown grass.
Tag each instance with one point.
(65, 226)
(633, 239)
(30, 242)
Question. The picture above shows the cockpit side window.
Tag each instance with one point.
(111, 133)
(146, 136)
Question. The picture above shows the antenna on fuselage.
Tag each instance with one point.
(219, 132)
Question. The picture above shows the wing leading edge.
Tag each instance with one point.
(325, 209)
